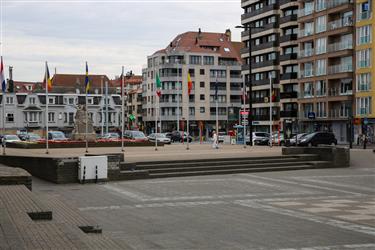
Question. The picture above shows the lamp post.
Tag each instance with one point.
(250, 116)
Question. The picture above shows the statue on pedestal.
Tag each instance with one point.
(79, 130)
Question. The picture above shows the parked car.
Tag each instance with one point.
(221, 135)
(296, 139)
(160, 137)
(135, 135)
(10, 138)
(56, 136)
(178, 136)
(32, 137)
(318, 138)
(111, 136)
(261, 138)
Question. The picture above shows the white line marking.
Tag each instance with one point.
(335, 247)
(314, 218)
(128, 194)
(303, 184)
(337, 184)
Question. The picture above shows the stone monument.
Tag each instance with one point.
(79, 130)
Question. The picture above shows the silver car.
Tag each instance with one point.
(160, 137)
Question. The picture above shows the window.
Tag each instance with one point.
(9, 117)
(71, 101)
(271, 56)
(202, 110)
(257, 41)
(307, 108)
(363, 11)
(202, 84)
(364, 82)
(346, 87)
(192, 72)
(218, 73)
(258, 76)
(208, 60)
(320, 5)
(197, 60)
(308, 70)
(51, 100)
(320, 89)
(9, 100)
(364, 105)
(51, 117)
(191, 111)
(364, 58)
(321, 46)
(32, 100)
(258, 59)
(321, 110)
(201, 71)
(202, 97)
(321, 66)
(321, 24)
(90, 100)
(271, 38)
(364, 35)
(309, 29)
(259, 23)
(308, 90)
(309, 7)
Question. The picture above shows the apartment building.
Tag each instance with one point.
(274, 49)
(25, 106)
(211, 59)
(326, 65)
(365, 67)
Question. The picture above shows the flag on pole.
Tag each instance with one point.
(2, 78)
(190, 84)
(47, 79)
(158, 85)
(87, 81)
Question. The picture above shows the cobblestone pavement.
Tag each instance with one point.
(310, 209)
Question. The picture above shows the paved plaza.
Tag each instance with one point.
(310, 209)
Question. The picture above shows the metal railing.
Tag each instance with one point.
(333, 47)
(339, 92)
(306, 53)
(337, 24)
(340, 68)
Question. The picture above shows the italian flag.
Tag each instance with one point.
(158, 85)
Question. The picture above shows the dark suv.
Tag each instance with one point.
(176, 136)
(318, 138)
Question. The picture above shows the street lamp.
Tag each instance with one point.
(250, 116)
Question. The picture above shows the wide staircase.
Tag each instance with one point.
(180, 168)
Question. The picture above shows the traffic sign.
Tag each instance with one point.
(244, 112)
(311, 115)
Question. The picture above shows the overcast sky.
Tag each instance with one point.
(107, 34)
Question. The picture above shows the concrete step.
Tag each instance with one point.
(133, 174)
(227, 166)
(232, 171)
(215, 162)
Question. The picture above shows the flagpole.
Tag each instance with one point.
(156, 119)
(122, 110)
(46, 118)
(87, 127)
(217, 109)
(4, 96)
(178, 97)
(244, 111)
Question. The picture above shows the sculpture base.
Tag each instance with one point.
(82, 137)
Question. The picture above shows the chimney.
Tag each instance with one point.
(199, 33)
(228, 34)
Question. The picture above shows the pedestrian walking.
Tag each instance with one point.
(215, 144)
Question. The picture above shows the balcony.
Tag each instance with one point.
(266, 117)
(340, 68)
(289, 76)
(340, 23)
(266, 45)
(306, 53)
(304, 33)
(287, 57)
(290, 18)
(335, 3)
(340, 46)
(339, 113)
(288, 38)
(364, 16)
(267, 63)
(288, 95)
(285, 114)
(339, 92)
(305, 12)
(259, 11)
(282, 2)
(307, 73)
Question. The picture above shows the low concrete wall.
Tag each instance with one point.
(340, 157)
(15, 176)
(55, 169)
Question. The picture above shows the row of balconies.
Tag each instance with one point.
(333, 25)
(329, 4)
(333, 69)
(332, 92)
(260, 11)
(333, 47)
